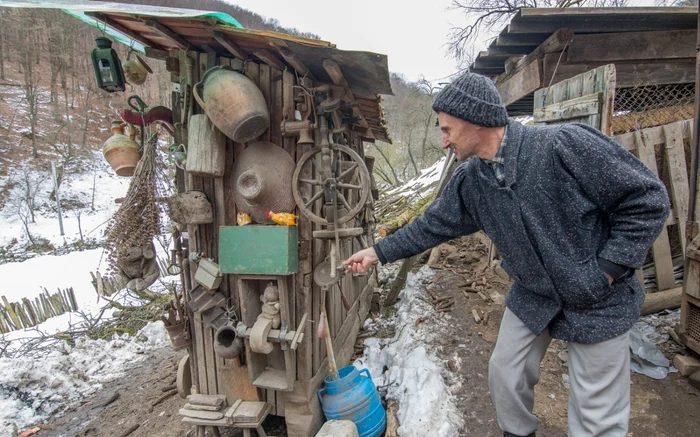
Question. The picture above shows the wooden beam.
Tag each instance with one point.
(523, 82)
(336, 74)
(511, 50)
(629, 73)
(632, 46)
(159, 54)
(270, 59)
(165, 32)
(229, 45)
(120, 28)
(296, 63)
(568, 109)
(555, 43)
(506, 39)
(662, 300)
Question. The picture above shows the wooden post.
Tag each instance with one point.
(29, 311)
(39, 310)
(48, 309)
(24, 320)
(12, 313)
(74, 303)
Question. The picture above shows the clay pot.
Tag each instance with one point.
(120, 151)
(233, 103)
(135, 70)
(227, 343)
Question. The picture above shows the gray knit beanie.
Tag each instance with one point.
(474, 98)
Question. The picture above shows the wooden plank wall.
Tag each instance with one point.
(586, 98)
(210, 373)
(666, 145)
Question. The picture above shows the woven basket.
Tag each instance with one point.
(263, 180)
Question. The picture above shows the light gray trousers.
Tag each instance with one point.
(599, 376)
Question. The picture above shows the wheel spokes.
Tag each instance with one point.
(310, 181)
(350, 186)
(348, 171)
(342, 199)
(314, 198)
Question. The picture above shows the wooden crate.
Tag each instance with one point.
(259, 250)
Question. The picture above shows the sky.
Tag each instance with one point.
(412, 34)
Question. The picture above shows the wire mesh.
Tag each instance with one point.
(653, 105)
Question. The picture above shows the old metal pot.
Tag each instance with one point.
(135, 70)
(233, 103)
(120, 151)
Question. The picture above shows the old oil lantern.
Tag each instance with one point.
(108, 68)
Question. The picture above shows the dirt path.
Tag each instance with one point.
(669, 407)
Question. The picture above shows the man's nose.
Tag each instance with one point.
(445, 142)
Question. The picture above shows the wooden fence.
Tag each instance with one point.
(665, 150)
(28, 313)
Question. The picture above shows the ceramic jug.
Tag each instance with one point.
(121, 151)
(233, 103)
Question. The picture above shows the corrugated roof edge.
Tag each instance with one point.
(133, 9)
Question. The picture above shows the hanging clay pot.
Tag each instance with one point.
(233, 103)
(136, 69)
(120, 151)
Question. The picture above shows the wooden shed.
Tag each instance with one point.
(322, 104)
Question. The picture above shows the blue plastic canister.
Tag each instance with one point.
(354, 397)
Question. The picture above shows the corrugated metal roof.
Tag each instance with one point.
(531, 27)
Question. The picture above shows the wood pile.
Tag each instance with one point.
(28, 313)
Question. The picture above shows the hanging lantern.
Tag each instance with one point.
(108, 68)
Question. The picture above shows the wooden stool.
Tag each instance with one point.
(246, 415)
(249, 415)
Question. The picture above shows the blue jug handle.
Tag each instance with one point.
(367, 372)
(320, 397)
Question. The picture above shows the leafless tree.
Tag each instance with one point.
(491, 15)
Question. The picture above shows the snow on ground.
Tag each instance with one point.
(413, 375)
(31, 391)
(428, 176)
(96, 188)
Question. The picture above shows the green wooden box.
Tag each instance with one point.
(259, 250)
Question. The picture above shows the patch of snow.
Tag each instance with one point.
(101, 183)
(31, 391)
(428, 176)
(407, 367)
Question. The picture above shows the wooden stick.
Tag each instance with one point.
(332, 366)
(164, 397)
(432, 294)
(129, 430)
(392, 420)
(477, 319)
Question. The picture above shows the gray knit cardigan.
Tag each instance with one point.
(571, 196)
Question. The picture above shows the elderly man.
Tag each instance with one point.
(572, 214)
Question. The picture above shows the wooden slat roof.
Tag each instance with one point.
(530, 27)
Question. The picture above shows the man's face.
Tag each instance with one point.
(459, 135)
